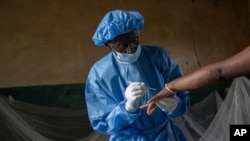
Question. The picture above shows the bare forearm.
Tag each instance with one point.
(203, 77)
(230, 68)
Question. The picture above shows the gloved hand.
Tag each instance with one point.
(167, 104)
(134, 92)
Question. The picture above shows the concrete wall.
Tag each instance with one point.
(49, 41)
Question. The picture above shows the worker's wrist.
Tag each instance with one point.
(130, 106)
(169, 90)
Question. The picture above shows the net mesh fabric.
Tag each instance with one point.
(21, 121)
(208, 120)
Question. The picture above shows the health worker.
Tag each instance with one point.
(128, 77)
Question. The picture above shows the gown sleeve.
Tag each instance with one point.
(106, 114)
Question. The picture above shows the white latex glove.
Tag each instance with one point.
(134, 92)
(167, 104)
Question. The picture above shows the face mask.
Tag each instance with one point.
(128, 57)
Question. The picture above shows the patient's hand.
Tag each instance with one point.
(151, 104)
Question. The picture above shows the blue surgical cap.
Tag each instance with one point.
(117, 22)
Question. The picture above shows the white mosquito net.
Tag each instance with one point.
(208, 120)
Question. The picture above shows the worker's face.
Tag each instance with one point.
(125, 43)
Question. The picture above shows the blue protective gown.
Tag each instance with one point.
(104, 94)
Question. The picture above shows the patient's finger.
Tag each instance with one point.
(151, 108)
(144, 106)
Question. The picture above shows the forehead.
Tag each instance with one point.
(126, 36)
